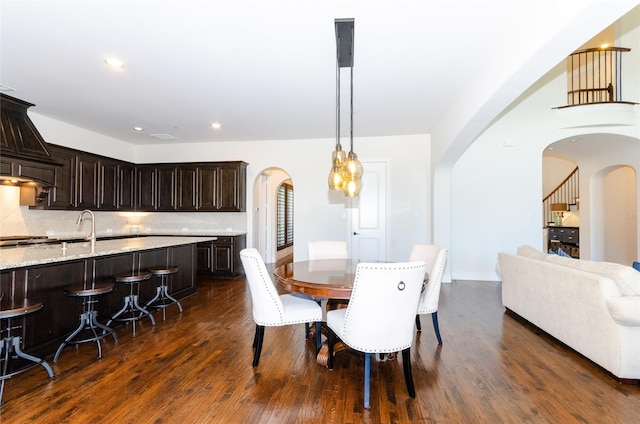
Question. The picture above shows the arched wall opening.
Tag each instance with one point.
(607, 214)
(265, 189)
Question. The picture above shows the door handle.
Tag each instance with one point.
(355, 234)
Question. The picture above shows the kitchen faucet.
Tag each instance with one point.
(91, 236)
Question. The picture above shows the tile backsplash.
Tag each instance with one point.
(20, 220)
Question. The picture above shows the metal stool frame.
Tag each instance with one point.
(162, 299)
(88, 319)
(132, 306)
(11, 343)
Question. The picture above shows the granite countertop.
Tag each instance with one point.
(39, 254)
(176, 233)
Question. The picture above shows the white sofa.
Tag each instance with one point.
(592, 307)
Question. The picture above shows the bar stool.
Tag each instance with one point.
(132, 311)
(88, 318)
(11, 344)
(162, 299)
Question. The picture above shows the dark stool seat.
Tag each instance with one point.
(10, 344)
(132, 311)
(89, 329)
(162, 299)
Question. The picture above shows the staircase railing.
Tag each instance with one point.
(595, 75)
(568, 191)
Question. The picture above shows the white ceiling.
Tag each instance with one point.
(264, 70)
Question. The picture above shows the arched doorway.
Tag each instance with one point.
(608, 192)
(265, 194)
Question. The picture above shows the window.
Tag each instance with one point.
(285, 216)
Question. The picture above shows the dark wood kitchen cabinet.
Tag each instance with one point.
(202, 187)
(167, 188)
(87, 181)
(63, 193)
(221, 257)
(146, 181)
(157, 187)
(232, 187)
(126, 186)
(222, 187)
(187, 195)
(116, 183)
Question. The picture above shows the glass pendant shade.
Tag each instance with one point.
(353, 167)
(339, 155)
(337, 177)
(352, 188)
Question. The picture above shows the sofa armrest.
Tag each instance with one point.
(625, 310)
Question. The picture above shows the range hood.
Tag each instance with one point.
(24, 155)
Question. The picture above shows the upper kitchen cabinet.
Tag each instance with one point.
(201, 187)
(187, 195)
(116, 185)
(157, 187)
(232, 190)
(222, 187)
(87, 181)
(63, 193)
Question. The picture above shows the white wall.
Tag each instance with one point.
(319, 212)
(620, 215)
(497, 182)
(56, 132)
(554, 171)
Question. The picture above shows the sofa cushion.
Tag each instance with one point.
(531, 252)
(625, 310)
(626, 278)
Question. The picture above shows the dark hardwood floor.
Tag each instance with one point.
(196, 368)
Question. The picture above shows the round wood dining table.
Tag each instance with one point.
(320, 278)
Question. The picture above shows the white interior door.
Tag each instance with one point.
(368, 215)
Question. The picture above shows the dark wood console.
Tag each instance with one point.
(566, 238)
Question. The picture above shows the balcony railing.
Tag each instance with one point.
(595, 76)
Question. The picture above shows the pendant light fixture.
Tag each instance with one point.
(346, 170)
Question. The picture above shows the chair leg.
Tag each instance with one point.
(318, 336)
(258, 344)
(418, 326)
(331, 341)
(367, 379)
(408, 376)
(255, 337)
(434, 318)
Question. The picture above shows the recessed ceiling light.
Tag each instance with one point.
(216, 125)
(138, 128)
(114, 62)
(604, 46)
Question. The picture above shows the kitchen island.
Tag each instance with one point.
(41, 272)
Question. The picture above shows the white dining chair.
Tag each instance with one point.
(271, 309)
(435, 258)
(380, 315)
(327, 249)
